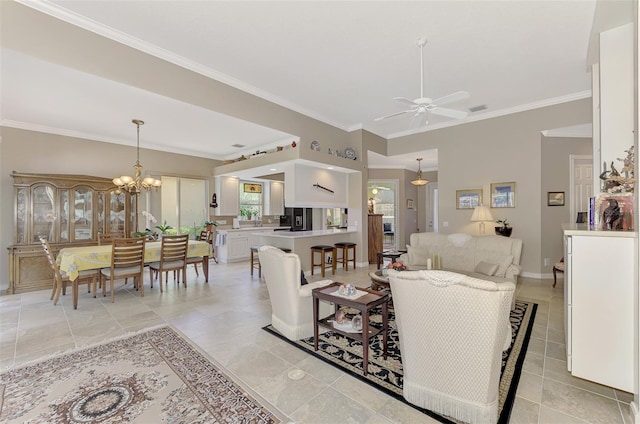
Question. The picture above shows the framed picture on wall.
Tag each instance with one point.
(252, 188)
(503, 195)
(409, 203)
(555, 198)
(468, 199)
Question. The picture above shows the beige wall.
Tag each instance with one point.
(501, 149)
(555, 177)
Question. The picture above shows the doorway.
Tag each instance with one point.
(581, 184)
(383, 195)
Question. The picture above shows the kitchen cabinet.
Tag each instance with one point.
(275, 202)
(67, 210)
(228, 189)
(375, 237)
(235, 248)
(598, 308)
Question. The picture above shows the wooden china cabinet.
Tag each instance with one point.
(69, 211)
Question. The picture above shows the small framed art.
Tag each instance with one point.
(468, 199)
(503, 195)
(409, 203)
(555, 198)
(252, 188)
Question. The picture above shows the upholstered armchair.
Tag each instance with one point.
(452, 330)
(291, 302)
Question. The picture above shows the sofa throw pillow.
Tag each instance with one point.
(303, 280)
(486, 268)
(503, 264)
(418, 255)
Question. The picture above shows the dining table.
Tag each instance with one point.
(72, 260)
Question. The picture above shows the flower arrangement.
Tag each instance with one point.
(398, 266)
(504, 223)
(164, 227)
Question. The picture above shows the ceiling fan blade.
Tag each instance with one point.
(453, 97)
(392, 115)
(406, 101)
(450, 113)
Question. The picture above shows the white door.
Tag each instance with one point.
(581, 185)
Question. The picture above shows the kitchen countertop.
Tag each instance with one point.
(313, 233)
(250, 229)
(586, 230)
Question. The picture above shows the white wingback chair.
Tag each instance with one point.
(452, 330)
(291, 302)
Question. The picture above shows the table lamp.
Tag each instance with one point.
(481, 214)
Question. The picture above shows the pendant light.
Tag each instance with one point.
(136, 184)
(419, 181)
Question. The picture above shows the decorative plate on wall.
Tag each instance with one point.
(349, 153)
(315, 146)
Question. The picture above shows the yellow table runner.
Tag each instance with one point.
(72, 260)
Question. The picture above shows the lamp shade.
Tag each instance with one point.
(481, 213)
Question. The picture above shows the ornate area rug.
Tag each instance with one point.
(386, 375)
(148, 377)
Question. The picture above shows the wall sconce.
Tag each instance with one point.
(214, 201)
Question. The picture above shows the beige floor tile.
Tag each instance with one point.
(288, 395)
(331, 407)
(557, 370)
(580, 403)
(360, 392)
(530, 387)
(524, 411)
(551, 416)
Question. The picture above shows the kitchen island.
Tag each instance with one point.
(300, 242)
(233, 243)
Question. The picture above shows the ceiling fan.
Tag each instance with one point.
(423, 105)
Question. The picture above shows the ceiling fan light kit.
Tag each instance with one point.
(422, 106)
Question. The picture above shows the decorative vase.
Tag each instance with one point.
(504, 231)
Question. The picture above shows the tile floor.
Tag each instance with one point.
(225, 316)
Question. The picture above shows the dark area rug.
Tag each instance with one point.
(148, 377)
(386, 375)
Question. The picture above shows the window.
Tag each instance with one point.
(184, 205)
(250, 200)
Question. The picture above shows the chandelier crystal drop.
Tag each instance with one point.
(419, 181)
(137, 183)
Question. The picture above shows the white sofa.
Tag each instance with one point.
(493, 258)
(452, 330)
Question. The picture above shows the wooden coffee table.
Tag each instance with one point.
(364, 304)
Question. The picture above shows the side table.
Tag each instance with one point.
(393, 254)
(364, 304)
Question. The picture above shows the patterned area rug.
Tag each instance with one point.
(386, 375)
(149, 377)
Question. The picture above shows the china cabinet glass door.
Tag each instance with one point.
(83, 213)
(43, 212)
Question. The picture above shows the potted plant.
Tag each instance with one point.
(505, 229)
(208, 225)
(164, 227)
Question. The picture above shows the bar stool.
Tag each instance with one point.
(323, 250)
(255, 261)
(346, 246)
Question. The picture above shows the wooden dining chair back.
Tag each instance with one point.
(173, 256)
(205, 236)
(60, 278)
(105, 238)
(127, 260)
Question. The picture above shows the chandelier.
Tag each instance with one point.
(419, 181)
(136, 184)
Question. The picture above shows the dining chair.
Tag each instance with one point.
(204, 236)
(105, 238)
(173, 256)
(127, 260)
(60, 278)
